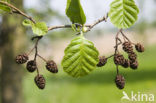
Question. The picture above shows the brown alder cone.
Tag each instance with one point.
(134, 64)
(31, 66)
(126, 63)
(51, 66)
(132, 56)
(127, 47)
(40, 81)
(139, 47)
(120, 81)
(22, 58)
(119, 59)
(102, 61)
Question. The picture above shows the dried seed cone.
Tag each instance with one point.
(51, 66)
(22, 58)
(134, 64)
(139, 47)
(119, 59)
(40, 81)
(126, 63)
(102, 61)
(127, 47)
(132, 56)
(31, 66)
(120, 81)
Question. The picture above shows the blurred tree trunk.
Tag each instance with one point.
(11, 41)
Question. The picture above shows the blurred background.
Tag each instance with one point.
(17, 85)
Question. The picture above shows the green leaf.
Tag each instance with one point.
(76, 29)
(4, 8)
(81, 57)
(40, 28)
(75, 12)
(123, 13)
(27, 22)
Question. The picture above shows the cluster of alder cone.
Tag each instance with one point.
(31, 65)
(119, 59)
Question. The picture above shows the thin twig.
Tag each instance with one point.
(36, 51)
(117, 69)
(119, 40)
(62, 26)
(116, 47)
(110, 56)
(36, 37)
(116, 41)
(42, 58)
(97, 22)
(17, 11)
(57, 27)
(36, 48)
(69, 26)
(30, 51)
(124, 35)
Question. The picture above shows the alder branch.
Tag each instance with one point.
(62, 26)
(59, 26)
(97, 22)
(17, 11)
(89, 26)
